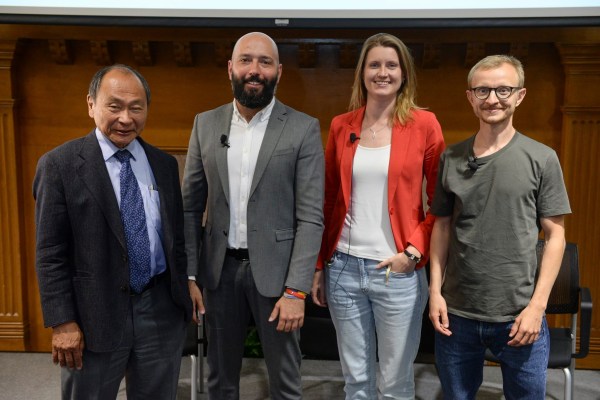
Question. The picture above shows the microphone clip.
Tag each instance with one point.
(472, 163)
(224, 141)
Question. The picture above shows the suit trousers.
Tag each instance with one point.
(229, 309)
(149, 355)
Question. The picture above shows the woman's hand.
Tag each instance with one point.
(318, 289)
(400, 262)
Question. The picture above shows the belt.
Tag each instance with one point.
(154, 281)
(238, 254)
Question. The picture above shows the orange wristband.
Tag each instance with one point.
(296, 293)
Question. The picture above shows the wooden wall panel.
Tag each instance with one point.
(187, 72)
(581, 166)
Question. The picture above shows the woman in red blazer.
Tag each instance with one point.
(376, 237)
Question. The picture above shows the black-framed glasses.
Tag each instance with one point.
(502, 92)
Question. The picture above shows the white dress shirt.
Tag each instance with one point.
(245, 139)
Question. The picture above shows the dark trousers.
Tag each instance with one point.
(149, 355)
(228, 312)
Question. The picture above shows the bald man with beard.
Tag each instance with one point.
(256, 167)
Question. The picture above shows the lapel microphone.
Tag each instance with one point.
(472, 163)
(224, 141)
(353, 138)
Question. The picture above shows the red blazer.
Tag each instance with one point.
(415, 154)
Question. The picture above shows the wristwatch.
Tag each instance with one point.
(411, 256)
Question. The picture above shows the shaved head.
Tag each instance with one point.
(252, 36)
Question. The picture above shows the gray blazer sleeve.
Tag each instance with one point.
(195, 192)
(309, 189)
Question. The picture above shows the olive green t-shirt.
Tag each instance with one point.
(495, 209)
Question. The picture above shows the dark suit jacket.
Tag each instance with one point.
(81, 257)
(285, 206)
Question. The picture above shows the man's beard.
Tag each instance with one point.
(253, 98)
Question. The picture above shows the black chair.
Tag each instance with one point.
(317, 336)
(567, 297)
(193, 347)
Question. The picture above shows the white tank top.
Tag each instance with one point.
(367, 232)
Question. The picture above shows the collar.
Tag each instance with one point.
(109, 149)
(260, 116)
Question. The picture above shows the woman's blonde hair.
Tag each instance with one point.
(405, 98)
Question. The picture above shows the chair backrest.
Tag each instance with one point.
(564, 298)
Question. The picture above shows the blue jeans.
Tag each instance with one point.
(460, 357)
(373, 312)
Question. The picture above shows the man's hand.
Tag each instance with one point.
(438, 314)
(527, 326)
(290, 313)
(318, 289)
(67, 345)
(197, 302)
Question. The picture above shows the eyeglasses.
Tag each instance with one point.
(502, 92)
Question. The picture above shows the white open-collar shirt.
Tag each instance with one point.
(245, 139)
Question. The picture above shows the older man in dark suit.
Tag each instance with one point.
(257, 165)
(110, 247)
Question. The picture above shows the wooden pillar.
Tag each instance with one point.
(13, 322)
(580, 158)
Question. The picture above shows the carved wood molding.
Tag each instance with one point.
(581, 110)
(183, 54)
(223, 52)
(141, 53)
(7, 52)
(100, 52)
(348, 55)
(60, 51)
(475, 52)
(174, 149)
(307, 55)
(582, 55)
(184, 51)
(432, 55)
(13, 335)
(581, 63)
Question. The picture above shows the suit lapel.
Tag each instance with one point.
(272, 134)
(398, 154)
(222, 127)
(348, 151)
(92, 169)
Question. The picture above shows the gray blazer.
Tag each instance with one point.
(285, 207)
(81, 254)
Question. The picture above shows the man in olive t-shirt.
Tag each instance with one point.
(494, 192)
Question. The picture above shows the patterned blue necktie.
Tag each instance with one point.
(134, 222)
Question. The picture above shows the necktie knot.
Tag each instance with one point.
(123, 156)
